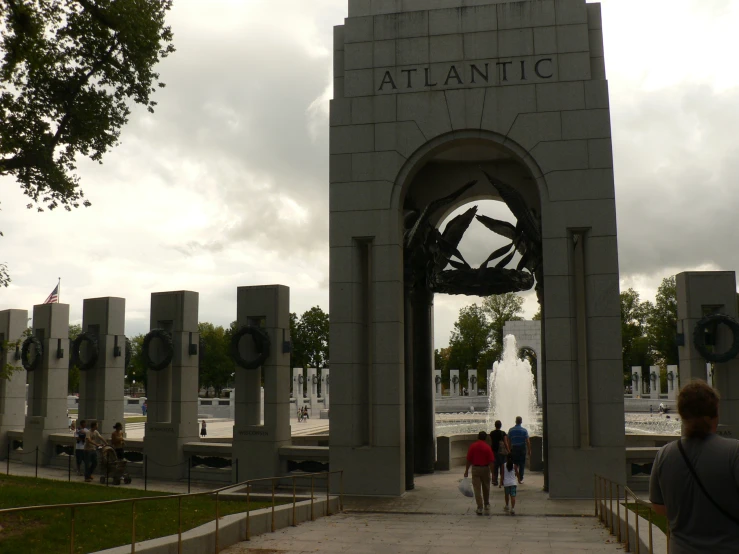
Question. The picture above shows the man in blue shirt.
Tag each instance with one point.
(520, 444)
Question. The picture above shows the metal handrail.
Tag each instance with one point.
(601, 499)
(248, 484)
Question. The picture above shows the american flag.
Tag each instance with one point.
(54, 296)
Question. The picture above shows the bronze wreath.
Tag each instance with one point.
(166, 339)
(699, 338)
(261, 341)
(92, 345)
(38, 347)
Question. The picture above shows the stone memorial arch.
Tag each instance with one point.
(425, 101)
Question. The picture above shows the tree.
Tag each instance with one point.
(137, 368)
(68, 69)
(537, 315)
(314, 333)
(216, 366)
(662, 324)
(470, 340)
(499, 309)
(298, 356)
(634, 343)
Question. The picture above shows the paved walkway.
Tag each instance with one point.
(436, 518)
(223, 428)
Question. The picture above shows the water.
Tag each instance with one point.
(512, 392)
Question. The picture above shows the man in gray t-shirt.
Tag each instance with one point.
(697, 525)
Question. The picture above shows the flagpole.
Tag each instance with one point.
(59, 290)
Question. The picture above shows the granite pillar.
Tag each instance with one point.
(256, 444)
(172, 392)
(101, 386)
(12, 390)
(48, 384)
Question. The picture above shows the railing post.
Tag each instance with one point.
(179, 525)
(217, 526)
(312, 516)
(7, 460)
(248, 511)
(189, 468)
(636, 511)
(69, 469)
(626, 517)
(610, 500)
(328, 494)
(37, 462)
(618, 511)
(651, 547)
(237, 470)
(71, 534)
(595, 493)
(146, 470)
(295, 523)
(133, 527)
(273, 506)
(341, 492)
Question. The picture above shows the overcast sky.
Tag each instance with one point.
(227, 183)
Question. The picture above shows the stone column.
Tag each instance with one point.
(698, 294)
(312, 383)
(257, 445)
(325, 385)
(672, 378)
(437, 383)
(47, 384)
(101, 386)
(12, 390)
(709, 374)
(636, 382)
(172, 392)
(654, 383)
(423, 392)
(472, 382)
(455, 388)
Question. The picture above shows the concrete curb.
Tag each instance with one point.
(232, 529)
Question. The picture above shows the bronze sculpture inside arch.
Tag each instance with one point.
(433, 264)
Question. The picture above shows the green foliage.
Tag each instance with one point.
(634, 344)
(67, 71)
(470, 340)
(48, 530)
(216, 367)
(537, 315)
(137, 370)
(662, 324)
(499, 309)
(309, 334)
(477, 338)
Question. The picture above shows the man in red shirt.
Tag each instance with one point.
(480, 456)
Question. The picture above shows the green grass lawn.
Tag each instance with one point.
(135, 419)
(96, 528)
(658, 520)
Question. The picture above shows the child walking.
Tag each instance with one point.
(508, 479)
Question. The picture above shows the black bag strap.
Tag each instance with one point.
(700, 484)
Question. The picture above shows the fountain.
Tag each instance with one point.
(511, 392)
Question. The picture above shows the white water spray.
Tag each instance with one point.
(511, 392)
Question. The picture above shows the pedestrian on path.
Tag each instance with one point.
(480, 456)
(203, 430)
(518, 438)
(508, 480)
(117, 441)
(501, 448)
(695, 479)
(93, 441)
(79, 446)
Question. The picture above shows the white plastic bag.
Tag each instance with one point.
(465, 487)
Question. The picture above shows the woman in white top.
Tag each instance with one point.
(509, 480)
